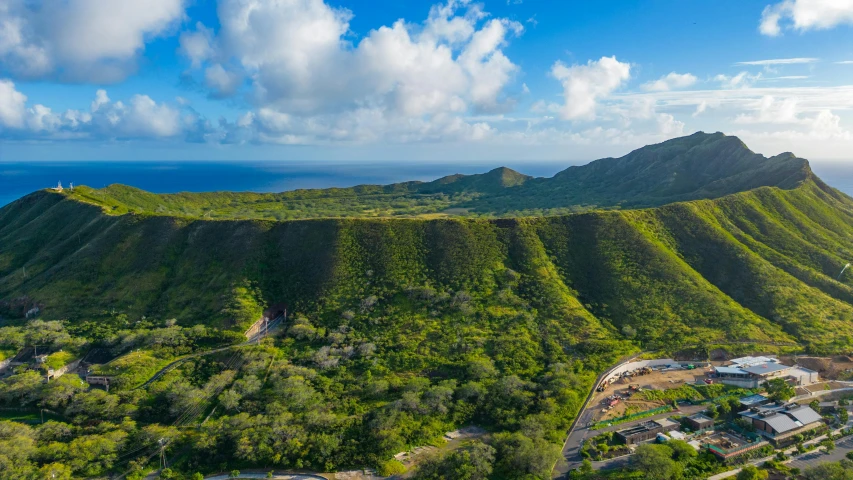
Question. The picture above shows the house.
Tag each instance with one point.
(782, 421)
(751, 372)
(699, 422)
(645, 431)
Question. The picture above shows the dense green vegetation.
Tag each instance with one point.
(403, 329)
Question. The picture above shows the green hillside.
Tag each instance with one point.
(401, 329)
(688, 168)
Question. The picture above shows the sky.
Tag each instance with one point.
(419, 81)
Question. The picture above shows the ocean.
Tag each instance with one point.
(20, 178)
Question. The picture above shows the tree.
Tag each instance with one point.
(655, 461)
(842, 470)
(779, 390)
(230, 399)
(519, 456)
(712, 411)
(586, 467)
(473, 463)
(55, 471)
(681, 450)
(751, 472)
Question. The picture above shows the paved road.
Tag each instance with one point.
(577, 431)
(581, 432)
(273, 325)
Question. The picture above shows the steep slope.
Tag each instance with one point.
(688, 168)
(752, 270)
(694, 167)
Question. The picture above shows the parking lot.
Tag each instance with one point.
(813, 458)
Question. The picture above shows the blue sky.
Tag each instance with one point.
(419, 81)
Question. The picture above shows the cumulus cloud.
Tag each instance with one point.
(585, 85)
(80, 40)
(802, 15)
(12, 105)
(295, 58)
(221, 82)
(140, 117)
(198, 45)
(672, 81)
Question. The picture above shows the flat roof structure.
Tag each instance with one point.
(730, 370)
(749, 361)
(765, 368)
(646, 430)
(700, 421)
(753, 400)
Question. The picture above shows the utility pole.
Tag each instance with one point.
(162, 443)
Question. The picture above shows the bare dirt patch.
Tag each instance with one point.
(839, 367)
(656, 380)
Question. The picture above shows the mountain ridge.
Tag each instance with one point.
(58, 250)
(693, 167)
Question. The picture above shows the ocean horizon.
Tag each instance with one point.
(18, 179)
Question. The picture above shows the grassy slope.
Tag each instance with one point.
(756, 266)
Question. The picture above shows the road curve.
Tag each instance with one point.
(251, 341)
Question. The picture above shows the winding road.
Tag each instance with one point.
(273, 325)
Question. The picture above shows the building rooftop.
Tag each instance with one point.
(765, 368)
(784, 418)
(749, 361)
(805, 415)
(666, 423)
(753, 400)
(700, 418)
(781, 423)
(730, 370)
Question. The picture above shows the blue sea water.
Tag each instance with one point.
(19, 178)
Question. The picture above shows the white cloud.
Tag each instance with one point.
(296, 58)
(845, 62)
(781, 61)
(80, 40)
(221, 82)
(197, 45)
(585, 85)
(741, 80)
(101, 98)
(12, 105)
(668, 126)
(672, 81)
(770, 110)
(141, 117)
(803, 15)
